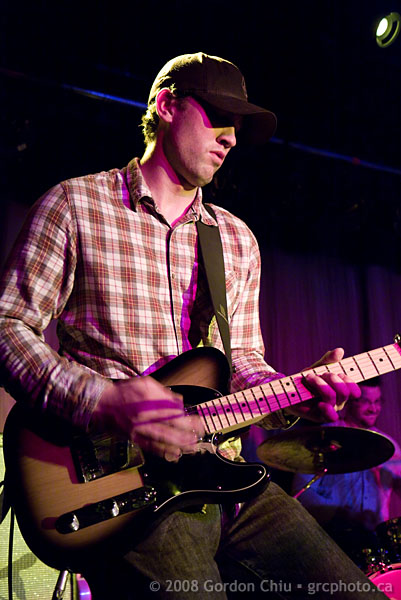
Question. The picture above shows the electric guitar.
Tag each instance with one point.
(76, 495)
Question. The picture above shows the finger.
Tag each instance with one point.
(353, 388)
(331, 356)
(335, 388)
(335, 384)
(197, 426)
(151, 416)
(146, 387)
(161, 447)
(169, 452)
(174, 405)
(172, 456)
(319, 387)
(192, 426)
(327, 412)
(343, 386)
(161, 433)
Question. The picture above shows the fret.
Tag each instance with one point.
(381, 361)
(280, 396)
(286, 399)
(304, 393)
(293, 394)
(215, 416)
(234, 409)
(245, 407)
(395, 353)
(259, 401)
(274, 400)
(333, 368)
(319, 370)
(206, 417)
(269, 397)
(262, 399)
(217, 411)
(350, 369)
(359, 369)
(252, 404)
(389, 357)
(366, 366)
(228, 411)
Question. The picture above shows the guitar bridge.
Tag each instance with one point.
(102, 455)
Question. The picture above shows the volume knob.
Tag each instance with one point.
(73, 523)
(112, 508)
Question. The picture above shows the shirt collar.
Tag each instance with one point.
(139, 191)
(136, 184)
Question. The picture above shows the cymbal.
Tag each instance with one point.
(337, 449)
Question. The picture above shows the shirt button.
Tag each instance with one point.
(172, 275)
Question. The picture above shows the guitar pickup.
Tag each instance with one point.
(98, 456)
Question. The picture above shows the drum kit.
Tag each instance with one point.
(336, 450)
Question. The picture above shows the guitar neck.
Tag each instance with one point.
(237, 410)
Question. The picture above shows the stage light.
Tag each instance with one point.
(388, 29)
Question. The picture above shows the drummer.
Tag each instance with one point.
(355, 503)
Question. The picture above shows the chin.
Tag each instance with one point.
(201, 182)
(205, 177)
(198, 179)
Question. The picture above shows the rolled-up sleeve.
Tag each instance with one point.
(34, 289)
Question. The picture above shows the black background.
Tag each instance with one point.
(315, 64)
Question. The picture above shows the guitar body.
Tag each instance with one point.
(75, 496)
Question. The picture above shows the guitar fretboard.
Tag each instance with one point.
(249, 406)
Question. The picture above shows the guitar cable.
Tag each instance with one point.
(10, 555)
(3, 513)
(4, 508)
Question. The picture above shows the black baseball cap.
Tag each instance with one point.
(219, 83)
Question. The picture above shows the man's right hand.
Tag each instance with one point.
(143, 411)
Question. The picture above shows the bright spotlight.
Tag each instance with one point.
(388, 29)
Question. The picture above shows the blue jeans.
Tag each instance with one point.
(272, 549)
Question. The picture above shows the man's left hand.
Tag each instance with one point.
(332, 391)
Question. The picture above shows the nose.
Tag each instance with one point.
(227, 137)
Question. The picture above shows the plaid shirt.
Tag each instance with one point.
(126, 288)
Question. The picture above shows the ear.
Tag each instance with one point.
(164, 105)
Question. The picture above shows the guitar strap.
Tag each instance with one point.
(211, 251)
